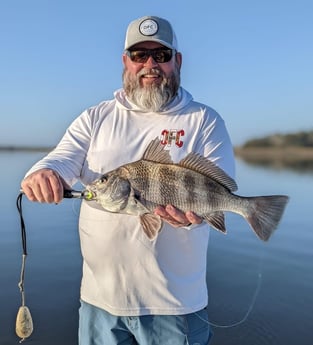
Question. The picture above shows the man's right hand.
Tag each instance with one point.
(44, 185)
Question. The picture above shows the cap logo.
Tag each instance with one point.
(148, 27)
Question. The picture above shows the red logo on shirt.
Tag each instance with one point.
(173, 135)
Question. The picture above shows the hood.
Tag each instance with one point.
(182, 99)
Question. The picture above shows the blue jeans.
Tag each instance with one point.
(98, 327)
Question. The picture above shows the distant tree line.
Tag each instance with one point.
(26, 148)
(300, 139)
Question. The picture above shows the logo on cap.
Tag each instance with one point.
(148, 27)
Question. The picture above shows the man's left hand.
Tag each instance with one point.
(177, 218)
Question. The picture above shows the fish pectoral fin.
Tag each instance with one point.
(134, 206)
(151, 225)
(216, 220)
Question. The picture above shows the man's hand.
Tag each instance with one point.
(44, 185)
(176, 218)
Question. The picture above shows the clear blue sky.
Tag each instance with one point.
(251, 60)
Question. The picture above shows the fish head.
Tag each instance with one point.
(111, 191)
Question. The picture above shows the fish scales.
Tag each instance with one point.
(153, 183)
(189, 182)
(163, 184)
(194, 184)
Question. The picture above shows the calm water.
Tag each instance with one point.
(273, 280)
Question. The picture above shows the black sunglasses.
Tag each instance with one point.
(160, 55)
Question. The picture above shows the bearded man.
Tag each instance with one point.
(134, 290)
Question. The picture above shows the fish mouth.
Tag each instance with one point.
(87, 194)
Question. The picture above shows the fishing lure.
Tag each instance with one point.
(24, 323)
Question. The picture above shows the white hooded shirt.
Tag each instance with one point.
(123, 271)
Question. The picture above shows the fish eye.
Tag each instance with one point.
(103, 179)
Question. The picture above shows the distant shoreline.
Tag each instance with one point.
(286, 154)
(25, 149)
(289, 153)
(297, 158)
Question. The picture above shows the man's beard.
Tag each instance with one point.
(152, 97)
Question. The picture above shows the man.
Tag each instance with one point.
(136, 291)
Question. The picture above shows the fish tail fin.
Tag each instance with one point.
(264, 214)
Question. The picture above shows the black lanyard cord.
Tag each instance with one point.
(24, 322)
(23, 228)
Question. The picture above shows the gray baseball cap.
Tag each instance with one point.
(150, 28)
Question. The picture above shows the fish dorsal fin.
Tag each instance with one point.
(155, 152)
(206, 167)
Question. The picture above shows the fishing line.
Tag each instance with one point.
(248, 312)
(76, 204)
(252, 303)
(24, 322)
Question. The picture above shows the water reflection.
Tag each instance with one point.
(279, 316)
(299, 166)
